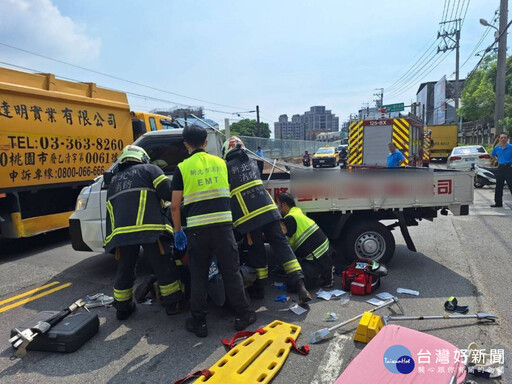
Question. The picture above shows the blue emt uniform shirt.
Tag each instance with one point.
(504, 155)
(394, 158)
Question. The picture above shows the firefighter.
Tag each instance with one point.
(202, 181)
(255, 214)
(309, 243)
(135, 218)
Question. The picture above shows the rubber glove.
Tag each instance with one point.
(180, 240)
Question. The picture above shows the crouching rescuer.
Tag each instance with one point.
(135, 219)
(309, 243)
(255, 214)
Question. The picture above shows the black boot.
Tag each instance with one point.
(245, 319)
(174, 303)
(303, 293)
(257, 290)
(197, 325)
(123, 315)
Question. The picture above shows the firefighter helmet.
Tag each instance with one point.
(233, 142)
(134, 154)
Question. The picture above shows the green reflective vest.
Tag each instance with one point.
(206, 190)
(308, 241)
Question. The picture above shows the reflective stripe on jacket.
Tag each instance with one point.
(134, 206)
(251, 204)
(205, 190)
(308, 242)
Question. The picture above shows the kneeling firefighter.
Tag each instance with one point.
(255, 214)
(309, 243)
(135, 219)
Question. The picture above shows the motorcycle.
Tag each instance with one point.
(343, 163)
(484, 176)
(306, 161)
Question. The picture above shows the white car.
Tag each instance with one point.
(464, 157)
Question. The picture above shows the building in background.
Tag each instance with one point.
(286, 129)
(436, 101)
(306, 126)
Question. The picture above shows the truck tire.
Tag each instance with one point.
(368, 239)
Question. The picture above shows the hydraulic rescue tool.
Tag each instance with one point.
(24, 337)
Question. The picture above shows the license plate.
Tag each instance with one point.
(322, 161)
(470, 159)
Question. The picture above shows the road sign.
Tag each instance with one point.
(399, 107)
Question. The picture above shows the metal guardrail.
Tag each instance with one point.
(278, 149)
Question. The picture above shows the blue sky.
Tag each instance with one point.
(284, 56)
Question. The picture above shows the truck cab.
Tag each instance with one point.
(165, 149)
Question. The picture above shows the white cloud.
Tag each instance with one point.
(38, 26)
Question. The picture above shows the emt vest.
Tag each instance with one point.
(134, 208)
(205, 190)
(251, 204)
(308, 242)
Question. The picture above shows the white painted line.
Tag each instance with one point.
(330, 366)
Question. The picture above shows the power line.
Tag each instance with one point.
(413, 75)
(487, 50)
(415, 66)
(133, 94)
(421, 75)
(118, 78)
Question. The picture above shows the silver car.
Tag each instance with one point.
(464, 157)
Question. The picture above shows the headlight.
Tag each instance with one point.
(83, 197)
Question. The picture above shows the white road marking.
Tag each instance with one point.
(329, 370)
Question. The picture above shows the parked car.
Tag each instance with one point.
(464, 157)
(326, 156)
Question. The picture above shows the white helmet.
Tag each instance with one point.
(233, 142)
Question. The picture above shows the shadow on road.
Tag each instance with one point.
(12, 249)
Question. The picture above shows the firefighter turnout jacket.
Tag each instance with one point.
(306, 238)
(134, 206)
(251, 204)
(205, 190)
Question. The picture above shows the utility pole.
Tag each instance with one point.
(499, 110)
(227, 131)
(380, 101)
(450, 32)
(258, 121)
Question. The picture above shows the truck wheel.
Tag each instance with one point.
(368, 240)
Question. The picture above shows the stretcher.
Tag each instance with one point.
(257, 359)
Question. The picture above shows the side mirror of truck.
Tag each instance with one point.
(107, 177)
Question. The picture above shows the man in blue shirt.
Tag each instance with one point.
(395, 157)
(503, 151)
(260, 153)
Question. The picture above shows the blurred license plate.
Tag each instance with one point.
(322, 161)
(470, 159)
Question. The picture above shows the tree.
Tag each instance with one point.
(479, 94)
(248, 127)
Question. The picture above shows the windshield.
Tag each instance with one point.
(468, 150)
(325, 151)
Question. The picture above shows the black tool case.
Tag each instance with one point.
(66, 336)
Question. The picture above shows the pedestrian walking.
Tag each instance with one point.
(395, 157)
(309, 243)
(255, 214)
(202, 182)
(135, 219)
(503, 152)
